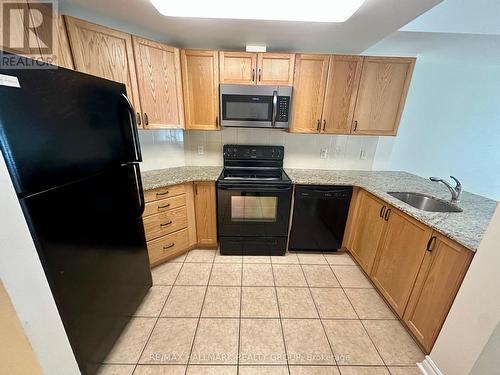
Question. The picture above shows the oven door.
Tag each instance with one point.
(253, 210)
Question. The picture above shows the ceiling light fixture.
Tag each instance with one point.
(307, 11)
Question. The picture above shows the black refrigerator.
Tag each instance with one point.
(72, 151)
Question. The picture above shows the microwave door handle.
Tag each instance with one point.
(275, 108)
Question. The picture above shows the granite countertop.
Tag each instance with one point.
(178, 175)
(466, 228)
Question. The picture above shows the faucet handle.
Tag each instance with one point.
(458, 187)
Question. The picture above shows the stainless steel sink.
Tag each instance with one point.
(425, 202)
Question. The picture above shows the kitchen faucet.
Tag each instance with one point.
(455, 191)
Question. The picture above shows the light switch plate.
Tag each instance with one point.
(324, 153)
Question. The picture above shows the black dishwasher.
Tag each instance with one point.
(319, 217)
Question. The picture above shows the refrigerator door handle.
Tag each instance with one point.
(135, 132)
(140, 191)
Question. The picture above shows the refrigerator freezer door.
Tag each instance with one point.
(60, 126)
(93, 250)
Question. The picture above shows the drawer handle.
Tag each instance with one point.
(164, 206)
(169, 246)
(160, 194)
(166, 224)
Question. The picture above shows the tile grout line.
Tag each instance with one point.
(281, 320)
(317, 311)
(199, 317)
(158, 317)
(360, 321)
(239, 321)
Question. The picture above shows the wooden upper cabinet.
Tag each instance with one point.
(104, 52)
(382, 94)
(308, 92)
(344, 73)
(438, 281)
(275, 68)
(238, 67)
(160, 84)
(200, 82)
(367, 229)
(206, 213)
(399, 258)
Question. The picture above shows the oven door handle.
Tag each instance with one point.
(275, 108)
(245, 189)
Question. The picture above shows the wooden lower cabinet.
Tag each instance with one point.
(438, 281)
(399, 257)
(367, 228)
(206, 213)
(169, 222)
(417, 270)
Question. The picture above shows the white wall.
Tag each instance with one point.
(162, 149)
(476, 311)
(22, 275)
(450, 126)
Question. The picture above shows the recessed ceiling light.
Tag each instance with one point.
(308, 11)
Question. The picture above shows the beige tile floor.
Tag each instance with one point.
(300, 314)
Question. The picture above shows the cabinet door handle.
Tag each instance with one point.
(139, 119)
(355, 125)
(382, 211)
(146, 119)
(253, 75)
(430, 244)
(166, 224)
(164, 206)
(160, 194)
(260, 75)
(169, 246)
(324, 125)
(216, 121)
(387, 215)
(195, 189)
(318, 127)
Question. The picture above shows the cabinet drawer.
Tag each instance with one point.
(164, 223)
(168, 246)
(163, 205)
(165, 192)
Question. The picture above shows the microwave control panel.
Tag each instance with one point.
(283, 108)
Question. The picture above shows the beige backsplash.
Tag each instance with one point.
(169, 148)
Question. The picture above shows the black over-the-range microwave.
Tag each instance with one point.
(259, 106)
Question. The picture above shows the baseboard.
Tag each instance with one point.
(428, 367)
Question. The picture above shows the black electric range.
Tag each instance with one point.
(254, 197)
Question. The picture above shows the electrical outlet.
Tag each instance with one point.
(201, 150)
(324, 153)
(362, 155)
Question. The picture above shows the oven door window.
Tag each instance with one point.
(247, 108)
(254, 209)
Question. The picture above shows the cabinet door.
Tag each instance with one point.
(21, 39)
(382, 94)
(308, 92)
(200, 80)
(206, 221)
(105, 53)
(367, 229)
(399, 257)
(437, 284)
(344, 73)
(160, 86)
(275, 68)
(238, 68)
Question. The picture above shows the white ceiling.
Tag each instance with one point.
(375, 20)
